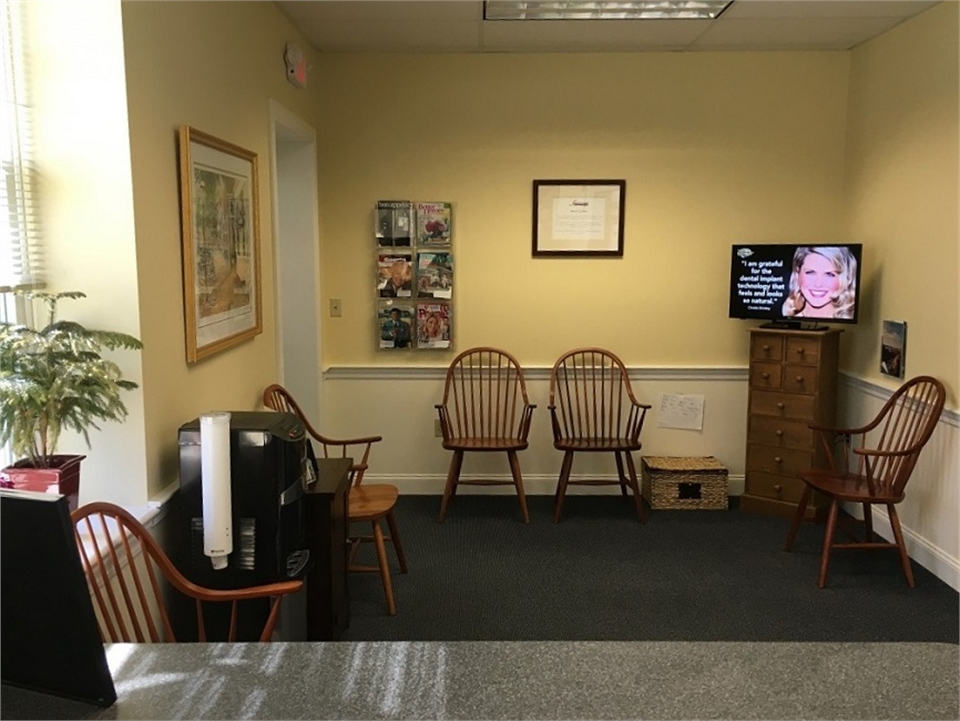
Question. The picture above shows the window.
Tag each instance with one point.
(20, 260)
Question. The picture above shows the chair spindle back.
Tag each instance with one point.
(131, 578)
(278, 398)
(901, 429)
(124, 579)
(591, 396)
(485, 395)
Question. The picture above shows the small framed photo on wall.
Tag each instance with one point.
(893, 347)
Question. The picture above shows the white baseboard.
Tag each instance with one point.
(919, 549)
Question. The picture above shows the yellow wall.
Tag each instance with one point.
(715, 148)
(213, 66)
(83, 159)
(901, 192)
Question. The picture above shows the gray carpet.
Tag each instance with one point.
(601, 576)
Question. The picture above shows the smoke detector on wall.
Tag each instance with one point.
(296, 63)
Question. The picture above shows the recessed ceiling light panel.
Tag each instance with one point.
(578, 10)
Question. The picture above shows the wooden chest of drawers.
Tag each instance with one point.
(793, 383)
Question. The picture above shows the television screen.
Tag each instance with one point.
(795, 285)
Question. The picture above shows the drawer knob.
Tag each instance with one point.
(766, 347)
(800, 379)
(777, 459)
(765, 376)
(779, 432)
(801, 351)
(780, 406)
(778, 488)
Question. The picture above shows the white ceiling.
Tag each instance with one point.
(457, 26)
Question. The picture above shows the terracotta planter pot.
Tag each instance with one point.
(62, 477)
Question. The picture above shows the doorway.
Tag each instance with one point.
(297, 257)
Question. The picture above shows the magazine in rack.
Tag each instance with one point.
(395, 275)
(433, 223)
(395, 324)
(394, 223)
(433, 325)
(434, 274)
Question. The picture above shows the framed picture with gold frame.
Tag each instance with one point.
(578, 217)
(220, 218)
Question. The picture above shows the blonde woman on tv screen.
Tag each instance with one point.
(823, 283)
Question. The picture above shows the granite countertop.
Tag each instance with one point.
(514, 680)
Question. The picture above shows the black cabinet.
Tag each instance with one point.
(325, 511)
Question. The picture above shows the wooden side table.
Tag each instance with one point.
(325, 517)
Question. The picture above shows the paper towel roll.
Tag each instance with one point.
(215, 484)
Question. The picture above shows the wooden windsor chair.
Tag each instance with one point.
(886, 451)
(131, 580)
(372, 503)
(485, 409)
(593, 410)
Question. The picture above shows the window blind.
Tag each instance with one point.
(21, 260)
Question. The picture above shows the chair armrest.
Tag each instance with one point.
(883, 454)
(280, 588)
(525, 419)
(845, 431)
(360, 465)
(829, 438)
(444, 418)
(555, 422)
(830, 429)
(635, 421)
(349, 441)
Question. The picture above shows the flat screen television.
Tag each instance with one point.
(796, 285)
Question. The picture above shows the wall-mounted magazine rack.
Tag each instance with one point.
(414, 274)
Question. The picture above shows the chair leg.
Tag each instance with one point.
(354, 543)
(453, 476)
(898, 537)
(828, 541)
(384, 568)
(867, 523)
(518, 482)
(635, 487)
(562, 482)
(620, 474)
(397, 546)
(797, 518)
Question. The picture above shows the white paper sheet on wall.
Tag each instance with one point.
(681, 411)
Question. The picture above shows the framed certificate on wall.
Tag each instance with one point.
(578, 217)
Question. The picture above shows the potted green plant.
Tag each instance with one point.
(55, 378)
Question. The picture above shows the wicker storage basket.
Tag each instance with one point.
(676, 482)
